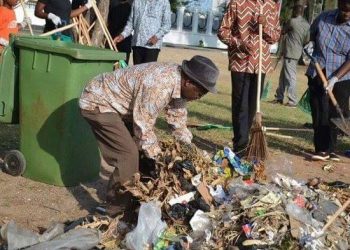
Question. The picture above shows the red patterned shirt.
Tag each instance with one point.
(239, 28)
(140, 93)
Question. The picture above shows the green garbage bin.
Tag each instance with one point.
(57, 143)
(9, 81)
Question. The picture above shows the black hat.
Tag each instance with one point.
(202, 71)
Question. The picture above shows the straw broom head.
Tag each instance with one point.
(257, 147)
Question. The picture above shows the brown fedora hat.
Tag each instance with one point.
(202, 71)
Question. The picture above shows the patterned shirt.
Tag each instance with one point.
(332, 44)
(140, 93)
(239, 27)
(148, 18)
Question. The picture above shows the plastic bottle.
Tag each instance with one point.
(300, 214)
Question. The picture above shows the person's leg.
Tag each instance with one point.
(279, 96)
(240, 91)
(341, 92)
(291, 80)
(319, 103)
(137, 55)
(151, 55)
(118, 150)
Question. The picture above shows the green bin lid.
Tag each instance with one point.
(73, 50)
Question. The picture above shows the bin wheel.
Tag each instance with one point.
(14, 163)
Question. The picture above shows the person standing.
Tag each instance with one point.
(296, 34)
(119, 12)
(58, 13)
(239, 31)
(8, 22)
(137, 95)
(329, 41)
(150, 20)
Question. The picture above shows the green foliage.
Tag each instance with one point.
(174, 4)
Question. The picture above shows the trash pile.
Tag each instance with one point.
(199, 202)
(194, 201)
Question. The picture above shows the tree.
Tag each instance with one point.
(97, 34)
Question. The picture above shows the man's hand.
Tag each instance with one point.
(331, 83)
(262, 20)
(89, 4)
(26, 21)
(3, 42)
(250, 47)
(118, 39)
(55, 19)
(152, 41)
(309, 47)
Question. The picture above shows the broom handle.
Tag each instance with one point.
(26, 16)
(339, 211)
(288, 129)
(260, 65)
(330, 93)
(59, 29)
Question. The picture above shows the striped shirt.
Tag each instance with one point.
(332, 44)
(239, 27)
(139, 94)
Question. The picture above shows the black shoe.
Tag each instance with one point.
(320, 156)
(334, 157)
(276, 101)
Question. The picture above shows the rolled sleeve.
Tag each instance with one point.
(176, 116)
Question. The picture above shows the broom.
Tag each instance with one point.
(257, 148)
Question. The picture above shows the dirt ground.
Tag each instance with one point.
(35, 205)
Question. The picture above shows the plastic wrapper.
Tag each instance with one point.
(53, 238)
(149, 227)
(200, 222)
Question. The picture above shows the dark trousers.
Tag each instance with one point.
(244, 88)
(117, 148)
(322, 110)
(144, 55)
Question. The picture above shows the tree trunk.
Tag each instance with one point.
(97, 35)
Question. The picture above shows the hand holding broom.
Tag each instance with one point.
(343, 123)
(26, 17)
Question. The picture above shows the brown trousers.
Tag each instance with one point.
(117, 148)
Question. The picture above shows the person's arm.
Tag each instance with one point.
(176, 116)
(227, 26)
(166, 21)
(149, 102)
(26, 21)
(343, 70)
(3, 26)
(129, 27)
(314, 27)
(78, 11)
(39, 10)
(272, 29)
(40, 13)
(307, 36)
(287, 27)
